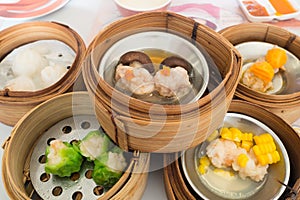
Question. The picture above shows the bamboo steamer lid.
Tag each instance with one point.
(169, 128)
(14, 104)
(286, 106)
(18, 151)
(176, 185)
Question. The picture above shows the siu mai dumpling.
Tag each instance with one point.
(172, 82)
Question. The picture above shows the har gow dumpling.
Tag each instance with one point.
(28, 62)
(51, 74)
(21, 83)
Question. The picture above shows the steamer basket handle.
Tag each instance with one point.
(295, 193)
(6, 142)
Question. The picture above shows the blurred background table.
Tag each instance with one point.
(90, 16)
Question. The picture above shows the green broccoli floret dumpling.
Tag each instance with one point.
(62, 159)
(109, 168)
(93, 145)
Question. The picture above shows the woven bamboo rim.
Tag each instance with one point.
(180, 126)
(17, 151)
(13, 104)
(286, 106)
(177, 186)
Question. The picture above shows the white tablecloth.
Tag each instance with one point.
(88, 17)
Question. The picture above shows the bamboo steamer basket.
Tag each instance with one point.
(286, 106)
(169, 128)
(176, 184)
(18, 150)
(14, 104)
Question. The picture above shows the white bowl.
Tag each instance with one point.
(164, 41)
(283, 82)
(131, 7)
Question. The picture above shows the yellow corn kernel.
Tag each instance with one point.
(269, 158)
(204, 163)
(247, 145)
(276, 57)
(204, 160)
(261, 149)
(202, 169)
(247, 137)
(263, 71)
(263, 138)
(238, 144)
(236, 134)
(166, 71)
(226, 133)
(242, 160)
(213, 136)
(224, 173)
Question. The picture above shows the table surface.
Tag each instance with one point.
(90, 16)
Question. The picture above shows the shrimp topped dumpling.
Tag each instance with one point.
(133, 73)
(251, 169)
(173, 79)
(172, 82)
(136, 80)
(223, 152)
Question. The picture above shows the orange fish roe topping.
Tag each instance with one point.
(166, 71)
(129, 74)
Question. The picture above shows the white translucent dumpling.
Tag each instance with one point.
(21, 83)
(28, 62)
(51, 74)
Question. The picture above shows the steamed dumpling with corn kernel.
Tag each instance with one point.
(172, 82)
(247, 166)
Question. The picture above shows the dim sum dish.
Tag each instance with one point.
(269, 69)
(156, 67)
(37, 67)
(238, 161)
(193, 174)
(160, 80)
(67, 155)
(262, 45)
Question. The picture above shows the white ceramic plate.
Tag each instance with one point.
(40, 8)
(270, 9)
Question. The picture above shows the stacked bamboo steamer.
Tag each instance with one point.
(126, 120)
(286, 106)
(177, 186)
(14, 104)
(18, 180)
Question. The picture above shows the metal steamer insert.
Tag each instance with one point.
(79, 185)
